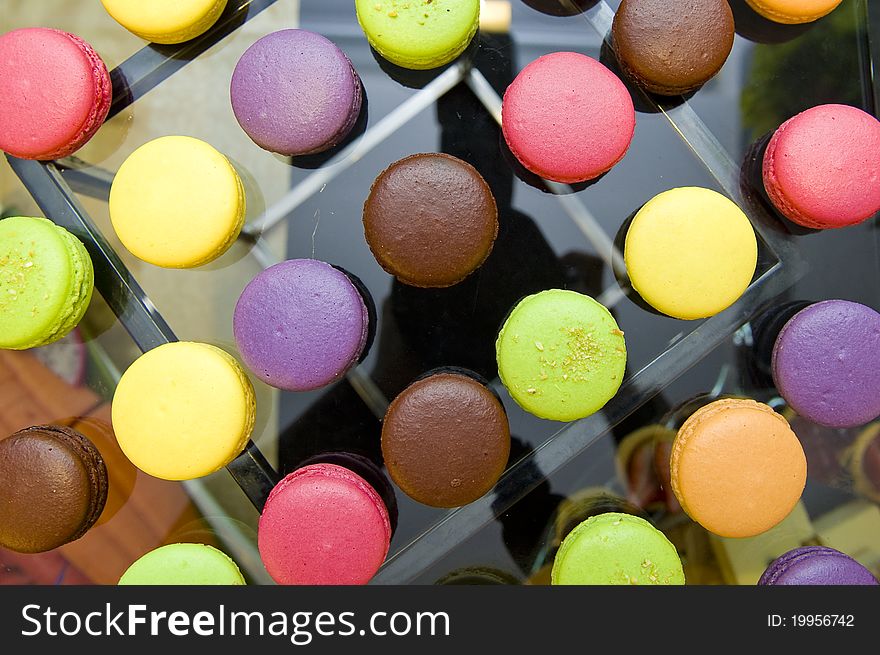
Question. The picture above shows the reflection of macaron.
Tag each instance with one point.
(430, 220)
(561, 355)
(165, 21)
(672, 47)
(53, 487)
(323, 524)
(46, 282)
(445, 439)
(55, 92)
(793, 11)
(301, 324)
(183, 564)
(737, 468)
(183, 410)
(863, 461)
(821, 167)
(616, 549)
(177, 202)
(816, 565)
(295, 92)
(421, 34)
(690, 252)
(826, 363)
(567, 118)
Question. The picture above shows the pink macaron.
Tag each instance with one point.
(323, 524)
(55, 92)
(822, 167)
(567, 118)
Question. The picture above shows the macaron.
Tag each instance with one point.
(165, 21)
(419, 34)
(737, 468)
(430, 220)
(567, 118)
(821, 167)
(793, 11)
(445, 439)
(53, 488)
(826, 363)
(46, 282)
(690, 252)
(295, 92)
(672, 47)
(56, 93)
(183, 564)
(176, 202)
(560, 355)
(183, 410)
(301, 324)
(816, 565)
(616, 549)
(323, 524)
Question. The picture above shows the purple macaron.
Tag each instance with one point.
(301, 324)
(816, 565)
(826, 363)
(295, 92)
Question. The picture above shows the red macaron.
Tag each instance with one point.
(55, 92)
(822, 167)
(567, 118)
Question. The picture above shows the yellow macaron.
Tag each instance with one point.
(793, 11)
(165, 21)
(177, 203)
(183, 410)
(690, 252)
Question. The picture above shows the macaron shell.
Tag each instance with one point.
(183, 564)
(54, 487)
(561, 355)
(826, 363)
(690, 252)
(183, 410)
(737, 468)
(165, 21)
(323, 524)
(176, 202)
(816, 565)
(430, 220)
(294, 92)
(567, 118)
(46, 282)
(421, 34)
(793, 11)
(614, 548)
(821, 167)
(673, 46)
(300, 325)
(56, 93)
(445, 440)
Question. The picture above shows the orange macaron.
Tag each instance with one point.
(737, 468)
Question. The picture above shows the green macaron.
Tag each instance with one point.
(183, 564)
(612, 549)
(46, 282)
(419, 34)
(561, 355)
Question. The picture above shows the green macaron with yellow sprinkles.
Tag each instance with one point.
(46, 282)
(561, 355)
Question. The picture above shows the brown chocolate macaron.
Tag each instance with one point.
(430, 220)
(446, 439)
(53, 487)
(672, 47)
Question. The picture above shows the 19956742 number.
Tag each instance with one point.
(811, 621)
